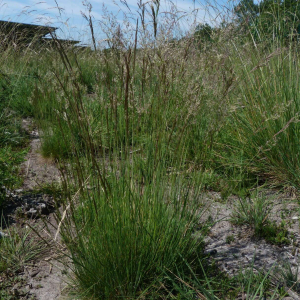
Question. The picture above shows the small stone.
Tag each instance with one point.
(18, 191)
(43, 208)
(32, 212)
(34, 273)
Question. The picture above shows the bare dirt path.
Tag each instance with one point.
(30, 205)
(36, 169)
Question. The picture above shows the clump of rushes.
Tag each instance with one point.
(265, 119)
(124, 243)
(133, 218)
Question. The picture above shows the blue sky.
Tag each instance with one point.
(71, 22)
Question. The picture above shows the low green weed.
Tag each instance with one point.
(17, 249)
(10, 161)
(254, 212)
(256, 284)
(288, 276)
(7, 284)
(53, 189)
(275, 234)
(230, 239)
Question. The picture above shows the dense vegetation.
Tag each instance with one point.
(13, 139)
(142, 128)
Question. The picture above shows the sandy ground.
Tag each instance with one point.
(46, 278)
(244, 250)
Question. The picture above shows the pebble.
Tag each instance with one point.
(34, 273)
(42, 208)
(32, 212)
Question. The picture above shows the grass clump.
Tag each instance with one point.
(288, 276)
(256, 284)
(255, 212)
(18, 248)
(127, 241)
